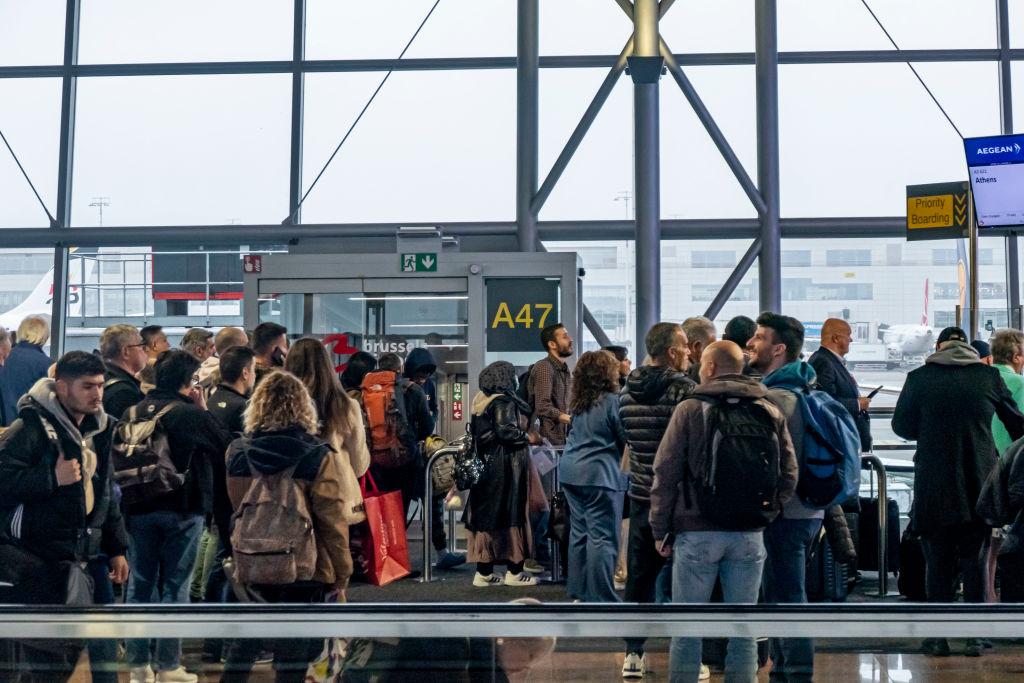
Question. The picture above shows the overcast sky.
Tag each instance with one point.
(441, 146)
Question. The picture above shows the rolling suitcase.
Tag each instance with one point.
(827, 578)
(867, 546)
(911, 581)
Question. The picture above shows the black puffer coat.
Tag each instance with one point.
(646, 405)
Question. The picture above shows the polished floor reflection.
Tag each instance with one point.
(842, 661)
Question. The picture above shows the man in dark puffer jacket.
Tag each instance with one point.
(651, 395)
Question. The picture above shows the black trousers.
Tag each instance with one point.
(643, 563)
(291, 655)
(950, 548)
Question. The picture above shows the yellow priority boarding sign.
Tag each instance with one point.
(937, 211)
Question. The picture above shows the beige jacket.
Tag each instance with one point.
(355, 460)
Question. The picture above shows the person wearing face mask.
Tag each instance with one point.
(270, 342)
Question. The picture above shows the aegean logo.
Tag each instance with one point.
(999, 150)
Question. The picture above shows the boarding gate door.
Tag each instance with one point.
(468, 310)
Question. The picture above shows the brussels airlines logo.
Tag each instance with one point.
(1000, 150)
(339, 346)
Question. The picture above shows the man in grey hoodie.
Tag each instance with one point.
(58, 503)
(947, 407)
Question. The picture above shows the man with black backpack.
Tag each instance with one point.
(724, 469)
(124, 353)
(775, 354)
(165, 520)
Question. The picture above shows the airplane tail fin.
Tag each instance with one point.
(924, 318)
(963, 273)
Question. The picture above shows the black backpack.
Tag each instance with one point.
(141, 456)
(738, 484)
(523, 390)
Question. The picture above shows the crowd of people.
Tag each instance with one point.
(679, 478)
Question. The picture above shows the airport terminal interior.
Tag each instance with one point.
(450, 179)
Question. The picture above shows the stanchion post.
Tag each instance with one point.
(883, 523)
(427, 521)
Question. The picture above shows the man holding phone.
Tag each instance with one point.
(270, 343)
(835, 380)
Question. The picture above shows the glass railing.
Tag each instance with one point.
(538, 642)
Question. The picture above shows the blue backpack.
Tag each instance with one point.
(830, 462)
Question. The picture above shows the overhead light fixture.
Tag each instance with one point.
(432, 325)
(409, 298)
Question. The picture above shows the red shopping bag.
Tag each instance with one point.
(379, 547)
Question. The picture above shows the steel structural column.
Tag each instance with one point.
(645, 68)
(298, 98)
(766, 63)
(1006, 124)
(527, 125)
(65, 172)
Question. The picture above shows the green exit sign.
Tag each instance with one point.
(418, 263)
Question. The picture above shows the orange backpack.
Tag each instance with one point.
(383, 396)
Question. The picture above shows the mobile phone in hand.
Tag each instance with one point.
(874, 391)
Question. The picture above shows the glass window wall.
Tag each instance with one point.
(30, 121)
(182, 150)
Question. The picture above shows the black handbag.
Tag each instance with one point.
(558, 522)
(469, 464)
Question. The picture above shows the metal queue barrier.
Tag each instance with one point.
(870, 462)
(454, 448)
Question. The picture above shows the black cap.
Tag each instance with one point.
(952, 334)
(982, 347)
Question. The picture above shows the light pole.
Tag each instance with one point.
(625, 196)
(100, 202)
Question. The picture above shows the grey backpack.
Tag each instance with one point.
(272, 534)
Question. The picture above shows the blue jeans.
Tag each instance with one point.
(102, 651)
(162, 555)
(595, 522)
(787, 542)
(699, 558)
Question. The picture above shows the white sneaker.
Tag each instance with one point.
(142, 674)
(178, 675)
(635, 666)
(482, 581)
(520, 579)
(705, 673)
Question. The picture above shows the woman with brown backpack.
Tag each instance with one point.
(290, 531)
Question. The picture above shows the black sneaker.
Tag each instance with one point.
(973, 647)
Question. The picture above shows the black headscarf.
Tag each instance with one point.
(500, 378)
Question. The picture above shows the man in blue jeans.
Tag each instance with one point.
(165, 530)
(775, 354)
(719, 535)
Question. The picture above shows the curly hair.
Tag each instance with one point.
(596, 374)
(281, 401)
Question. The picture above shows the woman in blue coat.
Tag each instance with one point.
(592, 479)
(25, 366)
